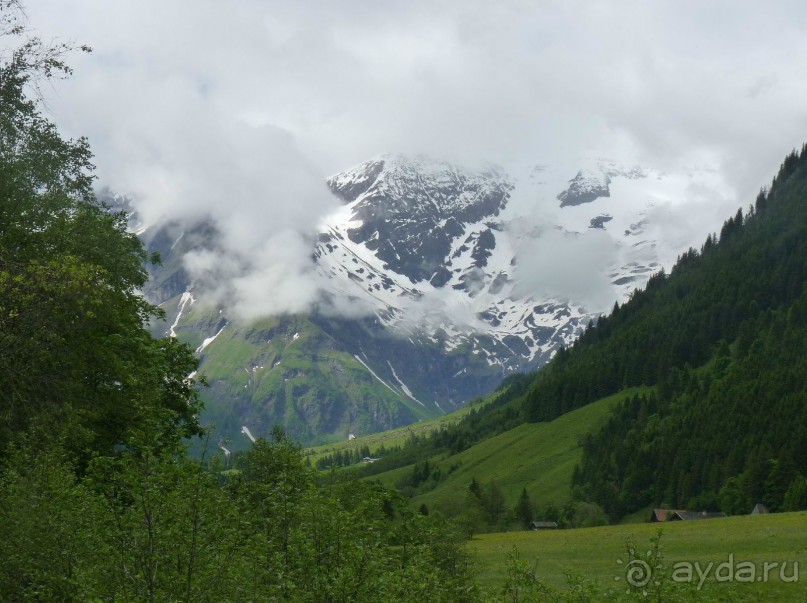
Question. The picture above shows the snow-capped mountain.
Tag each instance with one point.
(436, 251)
(453, 277)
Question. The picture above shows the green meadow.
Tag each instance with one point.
(600, 554)
(541, 458)
(537, 456)
(390, 438)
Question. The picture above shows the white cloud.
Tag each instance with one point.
(491, 80)
(239, 111)
(568, 266)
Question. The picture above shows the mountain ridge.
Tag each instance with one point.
(425, 254)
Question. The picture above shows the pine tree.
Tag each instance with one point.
(524, 510)
(475, 489)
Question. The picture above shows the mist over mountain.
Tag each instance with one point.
(428, 284)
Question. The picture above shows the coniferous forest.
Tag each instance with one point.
(724, 341)
(720, 343)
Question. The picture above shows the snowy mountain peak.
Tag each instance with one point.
(398, 183)
(429, 247)
(593, 182)
(482, 259)
(409, 212)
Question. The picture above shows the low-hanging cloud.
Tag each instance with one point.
(253, 183)
(567, 266)
(184, 159)
(238, 113)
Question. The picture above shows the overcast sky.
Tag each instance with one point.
(195, 104)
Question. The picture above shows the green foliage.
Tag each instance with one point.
(50, 542)
(732, 432)
(796, 496)
(73, 348)
(587, 515)
(523, 584)
(732, 498)
(720, 443)
(170, 531)
(524, 511)
(150, 524)
(346, 541)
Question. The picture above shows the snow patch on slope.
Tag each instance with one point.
(209, 340)
(372, 372)
(405, 389)
(183, 301)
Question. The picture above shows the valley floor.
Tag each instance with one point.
(600, 554)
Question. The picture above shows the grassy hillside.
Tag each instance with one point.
(539, 457)
(390, 438)
(594, 552)
(288, 371)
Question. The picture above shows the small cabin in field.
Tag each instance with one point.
(760, 509)
(690, 515)
(663, 514)
(544, 525)
(683, 515)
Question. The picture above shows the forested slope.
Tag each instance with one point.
(734, 432)
(720, 340)
(755, 266)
